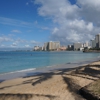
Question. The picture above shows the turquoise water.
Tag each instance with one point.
(16, 61)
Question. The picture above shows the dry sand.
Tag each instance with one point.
(56, 85)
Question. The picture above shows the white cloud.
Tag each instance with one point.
(14, 22)
(45, 28)
(9, 41)
(90, 26)
(55, 30)
(2, 45)
(27, 3)
(27, 46)
(14, 44)
(73, 23)
(90, 10)
(5, 39)
(36, 22)
(16, 31)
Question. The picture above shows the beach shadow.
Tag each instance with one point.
(46, 76)
(39, 78)
(30, 80)
(70, 84)
(1, 81)
(88, 71)
(91, 71)
(1, 88)
(24, 96)
(82, 77)
(73, 88)
(5, 87)
(43, 77)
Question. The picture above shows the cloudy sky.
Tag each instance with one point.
(26, 23)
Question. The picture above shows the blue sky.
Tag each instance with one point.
(26, 23)
(19, 20)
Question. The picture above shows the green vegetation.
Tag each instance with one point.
(94, 49)
(91, 50)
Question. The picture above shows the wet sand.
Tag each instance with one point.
(58, 84)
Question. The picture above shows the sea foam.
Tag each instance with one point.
(26, 70)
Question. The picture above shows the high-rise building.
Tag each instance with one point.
(57, 45)
(86, 44)
(52, 45)
(70, 47)
(93, 43)
(77, 46)
(36, 48)
(97, 40)
(46, 46)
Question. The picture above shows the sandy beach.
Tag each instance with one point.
(62, 84)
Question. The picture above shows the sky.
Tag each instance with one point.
(26, 23)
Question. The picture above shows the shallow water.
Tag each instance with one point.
(26, 61)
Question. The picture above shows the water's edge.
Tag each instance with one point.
(36, 71)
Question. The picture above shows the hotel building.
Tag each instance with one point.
(52, 45)
(97, 40)
(77, 46)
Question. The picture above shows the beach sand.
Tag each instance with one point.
(62, 84)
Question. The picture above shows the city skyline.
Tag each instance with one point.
(26, 23)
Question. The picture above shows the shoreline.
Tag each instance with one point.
(40, 70)
(54, 84)
(27, 67)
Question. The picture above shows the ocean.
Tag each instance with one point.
(15, 61)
